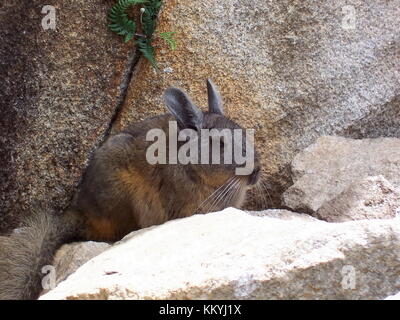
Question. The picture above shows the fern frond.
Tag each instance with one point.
(149, 17)
(122, 25)
(146, 48)
(120, 22)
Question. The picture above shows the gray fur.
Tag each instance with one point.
(183, 109)
(215, 104)
(25, 252)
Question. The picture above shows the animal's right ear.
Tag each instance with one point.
(183, 109)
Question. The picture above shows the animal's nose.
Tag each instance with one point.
(255, 176)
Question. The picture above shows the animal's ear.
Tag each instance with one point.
(214, 99)
(183, 109)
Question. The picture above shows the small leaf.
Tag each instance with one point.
(147, 50)
(129, 37)
(169, 38)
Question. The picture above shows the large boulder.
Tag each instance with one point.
(275, 254)
(334, 172)
(59, 90)
(367, 198)
(292, 70)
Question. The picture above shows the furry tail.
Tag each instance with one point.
(28, 249)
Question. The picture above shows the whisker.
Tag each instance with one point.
(257, 195)
(227, 196)
(264, 197)
(263, 183)
(221, 194)
(213, 194)
(237, 188)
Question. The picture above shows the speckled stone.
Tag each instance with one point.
(58, 91)
(289, 69)
(367, 198)
(273, 254)
(331, 170)
(73, 255)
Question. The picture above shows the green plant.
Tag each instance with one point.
(124, 26)
(169, 38)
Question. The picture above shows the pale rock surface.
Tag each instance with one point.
(394, 297)
(73, 255)
(328, 167)
(275, 254)
(368, 198)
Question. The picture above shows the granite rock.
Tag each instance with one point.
(275, 254)
(59, 90)
(327, 168)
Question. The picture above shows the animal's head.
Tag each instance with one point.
(224, 151)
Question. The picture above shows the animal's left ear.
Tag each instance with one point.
(214, 99)
(183, 109)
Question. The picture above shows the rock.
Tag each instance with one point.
(58, 93)
(327, 168)
(71, 256)
(394, 297)
(292, 70)
(369, 198)
(275, 254)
